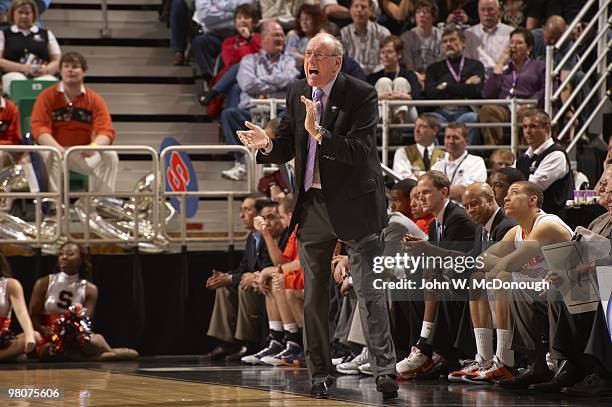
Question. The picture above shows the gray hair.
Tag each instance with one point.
(451, 28)
(541, 115)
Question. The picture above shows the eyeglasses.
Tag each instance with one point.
(316, 56)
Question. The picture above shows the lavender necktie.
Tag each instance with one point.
(312, 143)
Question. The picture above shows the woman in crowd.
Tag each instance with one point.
(233, 49)
(27, 51)
(307, 21)
(52, 297)
(11, 296)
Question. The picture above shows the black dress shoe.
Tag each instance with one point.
(206, 98)
(232, 357)
(568, 375)
(592, 386)
(320, 390)
(221, 351)
(387, 385)
(524, 380)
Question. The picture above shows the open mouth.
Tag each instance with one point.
(313, 72)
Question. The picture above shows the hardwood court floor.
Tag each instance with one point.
(188, 381)
(97, 387)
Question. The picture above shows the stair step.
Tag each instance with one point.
(109, 2)
(146, 32)
(114, 52)
(152, 133)
(144, 89)
(142, 71)
(95, 16)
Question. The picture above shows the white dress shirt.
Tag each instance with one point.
(551, 168)
(465, 170)
(486, 45)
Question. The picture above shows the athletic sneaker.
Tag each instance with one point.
(273, 348)
(236, 173)
(366, 369)
(352, 367)
(416, 363)
(491, 373)
(469, 367)
(291, 349)
(293, 355)
(347, 357)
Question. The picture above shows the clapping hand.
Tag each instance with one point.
(254, 138)
(311, 117)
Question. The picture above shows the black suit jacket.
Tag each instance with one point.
(349, 166)
(458, 229)
(254, 259)
(501, 225)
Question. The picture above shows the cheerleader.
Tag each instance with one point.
(55, 294)
(11, 296)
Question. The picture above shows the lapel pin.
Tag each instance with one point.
(334, 108)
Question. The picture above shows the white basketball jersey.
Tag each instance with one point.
(537, 267)
(64, 291)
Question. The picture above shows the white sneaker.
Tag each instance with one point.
(236, 173)
(416, 363)
(352, 367)
(366, 368)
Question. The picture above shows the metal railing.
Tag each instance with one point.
(38, 197)
(229, 194)
(134, 237)
(599, 92)
(386, 124)
(105, 30)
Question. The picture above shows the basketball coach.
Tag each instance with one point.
(330, 129)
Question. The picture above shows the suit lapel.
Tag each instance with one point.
(447, 214)
(333, 103)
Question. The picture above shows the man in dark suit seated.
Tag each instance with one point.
(452, 230)
(234, 319)
(330, 129)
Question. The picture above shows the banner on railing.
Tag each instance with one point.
(180, 177)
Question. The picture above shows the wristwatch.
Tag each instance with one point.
(319, 133)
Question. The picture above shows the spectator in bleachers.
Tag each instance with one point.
(395, 14)
(26, 50)
(266, 74)
(233, 49)
(515, 75)
(10, 126)
(545, 163)
(501, 180)
(70, 114)
(179, 29)
(460, 167)
(349, 65)
(362, 37)
(216, 18)
(283, 11)
(337, 11)
(549, 34)
(394, 82)
(414, 160)
(307, 22)
(456, 77)
(501, 159)
(521, 13)
(235, 316)
(487, 40)
(423, 43)
(462, 13)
